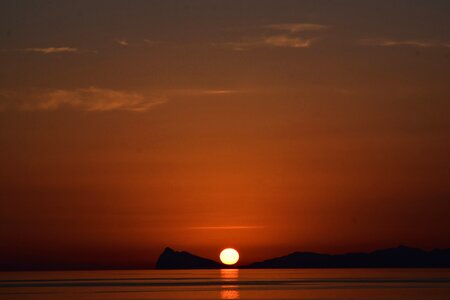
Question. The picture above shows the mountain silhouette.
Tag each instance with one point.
(400, 257)
(171, 259)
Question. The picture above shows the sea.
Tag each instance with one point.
(317, 284)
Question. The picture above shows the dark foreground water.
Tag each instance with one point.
(428, 284)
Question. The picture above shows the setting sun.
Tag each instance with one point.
(229, 256)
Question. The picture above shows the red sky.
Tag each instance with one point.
(266, 126)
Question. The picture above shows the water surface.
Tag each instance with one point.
(319, 284)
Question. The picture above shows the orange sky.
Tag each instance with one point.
(262, 125)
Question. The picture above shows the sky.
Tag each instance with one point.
(267, 126)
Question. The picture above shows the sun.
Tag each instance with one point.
(229, 256)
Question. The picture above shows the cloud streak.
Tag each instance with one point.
(288, 41)
(122, 42)
(202, 92)
(298, 27)
(90, 99)
(94, 99)
(287, 35)
(239, 227)
(274, 41)
(386, 42)
(51, 50)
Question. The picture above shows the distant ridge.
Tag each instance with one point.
(171, 259)
(400, 257)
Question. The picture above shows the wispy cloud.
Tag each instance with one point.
(387, 42)
(298, 27)
(288, 41)
(90, 99)
(51, 50)
(238, 227)
(274, 41)
(94, 99)
(202, 92)
(287, 35)
(122, 42)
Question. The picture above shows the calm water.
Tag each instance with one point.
(320, 284)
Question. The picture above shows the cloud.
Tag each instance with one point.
(287, 35)
(122, 42)
(298, 27)
(288, 41)
(386, 42)
(274, 41)
(218, 92)
(239, 227)
(94, 99)
(202, 92)
(51, 50)
(90, 99)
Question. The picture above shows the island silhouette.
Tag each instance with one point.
(399, 257)
(171, 259)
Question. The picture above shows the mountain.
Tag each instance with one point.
(400, 257)
(171, 259)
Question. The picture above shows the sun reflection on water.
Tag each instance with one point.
(229, 291)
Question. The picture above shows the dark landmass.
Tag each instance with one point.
(400, 257)
(171, 259)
